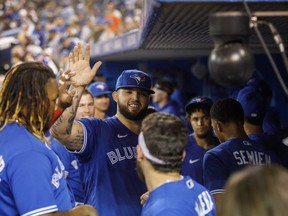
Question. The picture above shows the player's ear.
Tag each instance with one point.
(183, 155)
(219, 126)
(139, 152)
(115, 96)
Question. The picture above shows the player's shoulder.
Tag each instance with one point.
(191, 141)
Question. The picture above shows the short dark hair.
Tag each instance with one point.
(165, 85)
(198, 107)
(25, 85)
(227, 110)
(166, 137)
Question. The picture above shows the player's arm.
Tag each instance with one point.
(82, 210)
(65, 129)
(64, 99)
(215, 175)
(218, 200)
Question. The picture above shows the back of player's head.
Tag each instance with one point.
(267, 186)
(262, 86)
(165, 137)
(227, 110)
(254, 105)
(25, 87)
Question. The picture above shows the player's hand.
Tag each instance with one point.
(81, 72)
(144, 198)
(65, 95)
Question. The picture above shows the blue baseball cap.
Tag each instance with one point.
(134, 79)
(98, 88)
(260, 85)
(199, 100)
(253, 103)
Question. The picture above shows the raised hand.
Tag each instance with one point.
(65, 95)
(80, 66)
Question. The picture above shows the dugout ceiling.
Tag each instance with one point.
(180, 29)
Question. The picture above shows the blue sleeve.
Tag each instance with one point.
(30, 180)
(168, 212)
(62, 153)
(91, 128)
(215, 173)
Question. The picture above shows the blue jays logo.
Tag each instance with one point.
(199, 100)
(139, 79)
(246, 143)
(101, 87)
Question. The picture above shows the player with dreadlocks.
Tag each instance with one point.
(31, 175)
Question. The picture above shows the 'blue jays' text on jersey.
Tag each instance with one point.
(230, 156)
(31, 175)
(72, 173)
(193, 162)
(108, 167)
(184, 198)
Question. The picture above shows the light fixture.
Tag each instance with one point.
(231, 62)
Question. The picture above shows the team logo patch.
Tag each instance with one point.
(246, 143)
(199, 100)
(138, 78)
(101, 87)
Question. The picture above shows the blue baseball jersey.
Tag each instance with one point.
(184, 198)
(108, 167)
(274, 144)
(193, 162)
(31, 175)
(72, 173)
(230, 156)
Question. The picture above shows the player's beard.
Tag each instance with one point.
(132, 116)
(140, 172)
(203, 135)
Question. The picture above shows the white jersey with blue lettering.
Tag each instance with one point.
(108, 167)
(231, 156)
(185, 197)
(31, 175)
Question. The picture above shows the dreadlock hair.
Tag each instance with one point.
(166, 137)
(25, 87)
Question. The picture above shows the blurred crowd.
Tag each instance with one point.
(47, 31)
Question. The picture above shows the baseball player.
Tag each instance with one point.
(107, 148)
(70, 162)
(161, 99)
(236, 149)
(100, 92)
(255, 106)
(202, 138)
(31, 175)
(159, 158)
